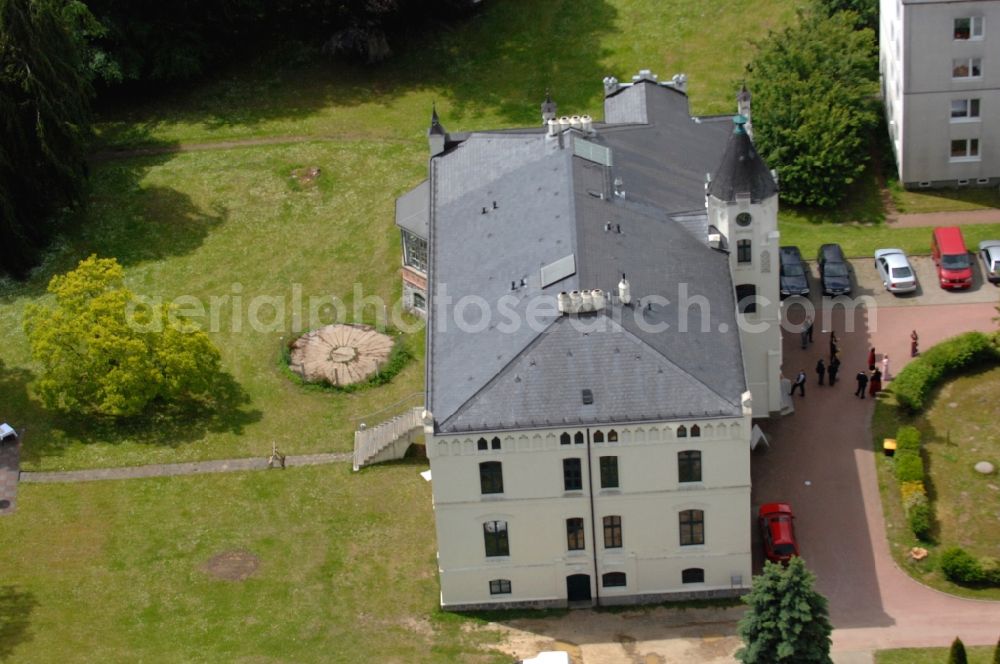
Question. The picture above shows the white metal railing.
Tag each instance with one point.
(370, 441)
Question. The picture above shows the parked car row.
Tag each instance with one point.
(951, 260)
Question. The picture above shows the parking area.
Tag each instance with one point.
(867, 282)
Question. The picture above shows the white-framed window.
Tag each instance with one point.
(968, 28)
(967, 68)
(964, 110)
(414, 251)
(965, 149)
(500, 587)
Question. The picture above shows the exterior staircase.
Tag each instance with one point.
(389, 439)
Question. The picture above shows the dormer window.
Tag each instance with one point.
(743, 219)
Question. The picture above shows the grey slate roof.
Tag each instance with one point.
(413, 208)
(742, 171)
(497, 375)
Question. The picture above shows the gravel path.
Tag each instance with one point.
(172, 469)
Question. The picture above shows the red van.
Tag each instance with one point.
(954, 267)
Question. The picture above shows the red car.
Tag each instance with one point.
(951, 258)
(777, 531)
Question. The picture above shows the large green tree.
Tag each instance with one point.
(815, 87)
(104, 352)
(865, 11)
(788, 621)
(44, 124)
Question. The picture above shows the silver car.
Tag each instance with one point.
(989, 253)
(895, 270)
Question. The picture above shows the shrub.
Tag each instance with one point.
(991, 570)
(909, 468)
(919, 518)
(961, 567)
(913, 493)
(916, 381)
(908, 439)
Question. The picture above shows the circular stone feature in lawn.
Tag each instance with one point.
(236, 565)
(340, 354)
(985, 467)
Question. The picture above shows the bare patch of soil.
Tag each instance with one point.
(236, 565)
(307, 175)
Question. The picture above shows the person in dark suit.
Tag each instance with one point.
(833, 369)
(821, 370)
(862, 379)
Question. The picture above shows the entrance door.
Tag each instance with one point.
(578, 588)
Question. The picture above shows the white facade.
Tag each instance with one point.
(940, 68)
(649, 501)
(756, 266)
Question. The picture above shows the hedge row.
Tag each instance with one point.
(915, 382)
(910, 473)
(962, 567)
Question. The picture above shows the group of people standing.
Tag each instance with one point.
(869, 381)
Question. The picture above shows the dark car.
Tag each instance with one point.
(834, 272)
(794, 278)
(777, 532)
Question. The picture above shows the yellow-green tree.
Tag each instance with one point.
(105, 353)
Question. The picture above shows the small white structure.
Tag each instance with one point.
(7, 432)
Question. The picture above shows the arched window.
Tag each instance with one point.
(564, 439)
(481, 444)
(692, 527)
(682, 431)
(689, 466)
(578, 438)
(491, 477)
(613, 580)
(695, 431)
(693, 575)
(765, 261)
(612, 436)
(598, 436)
(495, 443)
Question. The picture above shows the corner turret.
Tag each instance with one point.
(436, 134)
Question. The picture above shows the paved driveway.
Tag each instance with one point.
(868, 283)
(821, 461)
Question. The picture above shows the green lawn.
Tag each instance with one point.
(959, 429)
(977, 655)
(860, 240)
(488, 71)
(228, 224)
(113, 571)
(944, 200)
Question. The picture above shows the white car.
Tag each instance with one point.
(989, 253)
(895, 270)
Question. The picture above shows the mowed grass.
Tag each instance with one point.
(114, 571)
(861, 241)
(976, 654)
(959, 429)
(487, 71)
(231, 226)
(945, 200)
